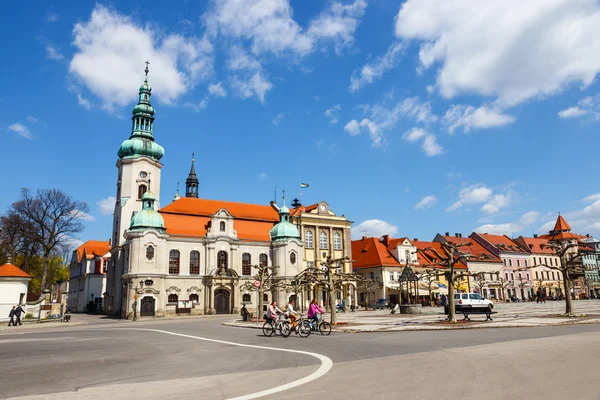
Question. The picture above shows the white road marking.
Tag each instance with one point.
(326, 363)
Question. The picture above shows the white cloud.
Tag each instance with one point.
(110, 51)
(262, 176)
(53, 54)
(277, 119)
(589, 105)
(21, 130)
(32, 119)
(426, 202)
(592, 198)
(106, 206)
(197, 106)
(83, 102)
(430, 145)
(469, 117)
(249, 78)
(382, 118)
(374, 70)
(497, 202)
(317, 98)
(373, 227)
(471, 195)
(51, 17)
(508, 49)
(82, 215)
(333, 113)
(217, 90)
(338, 23)
(510, 228)
(257, 85)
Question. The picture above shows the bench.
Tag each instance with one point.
(476, 310)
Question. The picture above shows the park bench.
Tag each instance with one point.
(466, 311)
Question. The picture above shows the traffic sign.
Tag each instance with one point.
(256, 284)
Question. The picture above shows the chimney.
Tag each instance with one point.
(535, 236)
(385, 240)
(415, 239)
(447, 234)
(364, 238)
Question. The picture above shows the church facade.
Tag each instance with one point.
(193, 256)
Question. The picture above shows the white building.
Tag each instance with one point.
(87, 277)
(13, 288)
(194, 255)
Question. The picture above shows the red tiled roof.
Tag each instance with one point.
(561, 225)
(12, 271)
(92, 248)
(191, 217)
(503, 243)
(475, 249)
(534, 245)
(302, 209)
(429, 257)
(370, 252)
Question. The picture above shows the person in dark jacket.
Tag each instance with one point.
(11, 314)
(18, 311)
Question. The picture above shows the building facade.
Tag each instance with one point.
(87, 276)
(13, 288)
(546, 279)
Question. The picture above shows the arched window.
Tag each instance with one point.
(322, 240)
(308, 239)
(194, 263)
(150, 252)
(222, 226)
(194, 298)
(292, 258)
(174, 262)
(222, 259)
(172, 298)
(141, 190)
(337, 241)
(263, 260)
(246, 298)
(246, 264)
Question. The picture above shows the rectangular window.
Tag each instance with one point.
(337, 241)
(536, 275)
(506, 273)
(372, 275)
(525, 262)
(512, 276)
(310, 264)
(518, 263)
(510, 263)
(194, 263)
(391, 276)
(504, 261)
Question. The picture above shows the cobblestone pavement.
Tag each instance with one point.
(507, 315)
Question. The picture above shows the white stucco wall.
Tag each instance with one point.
(10, 293)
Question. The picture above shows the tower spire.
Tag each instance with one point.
(191, 183)
(146, 71)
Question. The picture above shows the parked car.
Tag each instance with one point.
(474, 300)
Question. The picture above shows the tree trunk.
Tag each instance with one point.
(44, 272)
(567, 287)
(451, 309)
(260, 301)
(331, 292)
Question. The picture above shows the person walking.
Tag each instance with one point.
(18, 312)
(11, 314)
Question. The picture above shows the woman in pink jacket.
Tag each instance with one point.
(313, 312)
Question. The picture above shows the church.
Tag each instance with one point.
(194, 256)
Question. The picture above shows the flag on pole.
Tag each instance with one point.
(303, 185)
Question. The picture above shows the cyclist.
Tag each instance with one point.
(291, 313)
(272, 313)
(313, 312)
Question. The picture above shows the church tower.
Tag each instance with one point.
(191, 183)
(138, 165)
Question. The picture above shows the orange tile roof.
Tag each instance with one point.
(191, 217)
(302, 209)
(431, 258)
(503, 243)
(534, 245)
(561, 225)
(205, 207)
(553, 236)
(475, 249)
(370, 252)
(92, 248)
(12, 271)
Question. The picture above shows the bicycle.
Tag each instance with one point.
(282, 327)
(303, 327)
(322, 326)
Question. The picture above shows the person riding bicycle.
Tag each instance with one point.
(313, 312)
(272, 313)
(291, 313)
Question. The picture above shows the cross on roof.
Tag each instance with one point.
(147, 70)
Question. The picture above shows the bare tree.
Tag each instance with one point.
(504, 284)
(480, 281)
(368, 286)
(429, 278)
(266, 276)
(55, 218)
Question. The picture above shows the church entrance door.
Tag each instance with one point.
(147, 307)
(222, 301)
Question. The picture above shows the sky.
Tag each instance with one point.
(408, 117)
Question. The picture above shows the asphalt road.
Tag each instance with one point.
(172, 359)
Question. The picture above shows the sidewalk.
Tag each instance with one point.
(508, 316)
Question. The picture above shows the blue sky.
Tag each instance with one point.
(409, 118)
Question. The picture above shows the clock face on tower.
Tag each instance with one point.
(143, 174)
(322, 207)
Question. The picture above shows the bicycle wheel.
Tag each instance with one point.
(304, 329)
(285, 329)
(325, 328)
(268, 329)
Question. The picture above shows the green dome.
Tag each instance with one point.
(148, 218)
(143, 109)
(138, 147)
(284, 230)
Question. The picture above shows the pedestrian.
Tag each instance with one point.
(18, 312)
(11, 314)
(444, 300)
(538, 296)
